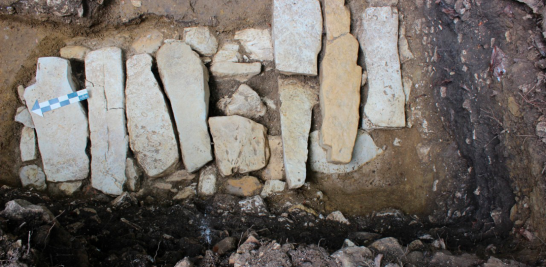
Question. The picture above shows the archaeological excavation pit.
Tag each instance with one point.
(273, 133)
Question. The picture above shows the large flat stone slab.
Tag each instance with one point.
(185, 80)
(257, 42)
(151, 133)
(62, 133)
(240, 145)
(297, 35)
(364, 151)
(340, 79)
(385, 104)
(242, 72)
(297, 101)
(105, 80)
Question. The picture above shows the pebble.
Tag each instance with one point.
(181, 175)
(337, 216)
(201, 39)
(253, 206)
(133, 175)
(207, 181)
(28, 144)
(187, 192)
(74, 52)
(243, 187)
(225, 245)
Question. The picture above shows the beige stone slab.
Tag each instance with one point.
(337, 18)
(297, 101)
(340, 79)
(105, 80)
(240, 145)
(151, 133)
(185, 80)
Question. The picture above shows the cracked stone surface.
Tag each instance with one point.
(297, 101)
(297, 35)
(105, 80)
(54, 79)
(385, 104)
(185, 80)
(151, 133)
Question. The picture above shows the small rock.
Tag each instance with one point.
(494, 262)
(403, 46)
(19, 209)
(337, 216)
(275, 167)
(464, 260)
(225, 202)
(187, 192)
(248, 138)
(225, 245)
(297, 34)
(185, 80)
(66, 188)
(184, 263)
(28, 144)
(389, 247)
(364, 78)
(244, 102)
(243, 187)
(416, 245)
(407, 84)
(363, 238)
(74, 52)
(257, 42)
(148, 43)
(272, 186)
(123, 201)
(181, 175)
(397, 142)
(228, 53)
(416, 258)
(353, 256)
(513, 107)
(33, 176)
(21, 93)
(136, 3)
(163, 186)
(54, 79)
(201, 39)
(241, 72)
(297, 101)
(207, 181)
(364, 151)
(303, 208)
(151, 133)
(23, 116)
(133, 175)
(253, 206)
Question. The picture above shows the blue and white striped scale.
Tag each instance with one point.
(55, 103)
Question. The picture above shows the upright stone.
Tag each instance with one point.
(297, 34)
(297, 101)
(151, 134)
(185, 79)
(240, 145)
(275, 168)
(379, 40)
(62, 133)
(105, 80)
(340, 79)
(28, 144)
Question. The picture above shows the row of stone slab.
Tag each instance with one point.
(297, 33)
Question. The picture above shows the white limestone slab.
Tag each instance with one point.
(62, 133)
(105, 80)
(23, 116)
(151, 133)
(33, 176)
(185, 80)
(257, 43)
(28, 144)
(297, 35)
(297, 101)
(364, 151)
(385, 104)
(240, 145)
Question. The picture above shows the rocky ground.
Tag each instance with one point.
(447, 166)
